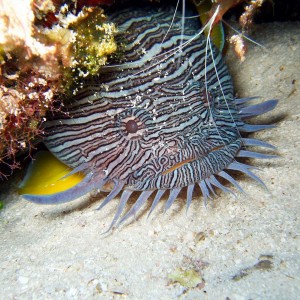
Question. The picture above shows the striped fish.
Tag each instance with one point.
(159, 118)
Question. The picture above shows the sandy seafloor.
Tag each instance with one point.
(244, 248)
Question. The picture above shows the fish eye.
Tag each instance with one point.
(133, 123)
(131, 126)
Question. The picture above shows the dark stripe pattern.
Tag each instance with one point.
(162, 117)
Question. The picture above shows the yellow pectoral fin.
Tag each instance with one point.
(47, 175)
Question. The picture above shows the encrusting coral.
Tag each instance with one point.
(43, 46)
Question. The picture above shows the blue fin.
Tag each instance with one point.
(114, 192)
(143, 197)
(218, 184)
(173, 195)
(205, 191)
(246, 170)
(255, 142)
(245, 153)
(156, 200)
(189, 196)
(231, 180)
(124, 198)
(89, 183)
(241, 101)
(254, 128)
(258, 109)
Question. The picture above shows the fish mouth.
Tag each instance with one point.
(178, 165)
(189, 160)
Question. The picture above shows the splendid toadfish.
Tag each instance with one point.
(161, 118)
